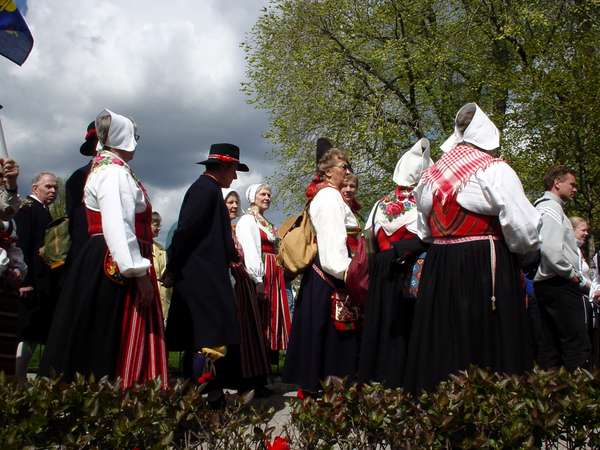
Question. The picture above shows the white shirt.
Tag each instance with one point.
(248, 235)
(331, 217)
(495, 191)
(112, 190)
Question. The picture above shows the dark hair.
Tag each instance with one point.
(156, 217)
(556, 173)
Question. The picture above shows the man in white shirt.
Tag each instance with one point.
(558, 284)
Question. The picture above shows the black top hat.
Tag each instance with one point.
(323, 144)
(88, 148)
(225, 153)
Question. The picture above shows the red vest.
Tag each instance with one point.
(142, 228)
(453, 221)
(266, 246)
(384, 242)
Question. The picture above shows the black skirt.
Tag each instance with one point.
(316, 349)
(455, 324)
(388, 319)
(86, 330)
(254, 359)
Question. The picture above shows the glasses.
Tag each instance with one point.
(344, 166)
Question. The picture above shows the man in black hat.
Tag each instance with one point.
(74, 195)
(202, 318)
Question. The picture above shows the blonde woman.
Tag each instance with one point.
(320, 345)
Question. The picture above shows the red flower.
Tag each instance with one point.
(279, 443)
(205, 377)
(300, 394)
(393, 209)
(117, 162)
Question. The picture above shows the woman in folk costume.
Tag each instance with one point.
(389, 308)
(470, 307)
(253, 357)
(258, 239)
(323, 342)
(108, 320)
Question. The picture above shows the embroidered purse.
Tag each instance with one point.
(344, 313)
(111, 270)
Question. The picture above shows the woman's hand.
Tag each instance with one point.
(145, 290)
(25, 291)
(167, 279)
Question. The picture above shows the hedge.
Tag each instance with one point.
(475, 409)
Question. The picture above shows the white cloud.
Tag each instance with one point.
(174, 66)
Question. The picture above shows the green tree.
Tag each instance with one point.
(375, 75)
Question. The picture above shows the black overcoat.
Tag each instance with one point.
(35, 310)
(76, 210)
(202, 312)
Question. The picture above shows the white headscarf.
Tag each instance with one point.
(412, 164)
(481, 132)
(227, 192)
(407, 173)
(252, 191)
(121, 133)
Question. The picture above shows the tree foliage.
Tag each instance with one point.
(375, 75)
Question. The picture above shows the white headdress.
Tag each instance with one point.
(122, 133)
(481, 132)
(412, 164)
(252, 191)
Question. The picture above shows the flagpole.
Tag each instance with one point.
(3, 147)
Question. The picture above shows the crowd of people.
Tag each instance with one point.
(462, 269)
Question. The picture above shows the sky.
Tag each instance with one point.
(175, 67)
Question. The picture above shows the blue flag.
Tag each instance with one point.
(16, 40)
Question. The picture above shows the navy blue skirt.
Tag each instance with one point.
(316, 349)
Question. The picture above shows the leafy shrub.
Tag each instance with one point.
(475, 409)
(87, 414)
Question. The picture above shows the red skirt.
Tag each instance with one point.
(278, 313)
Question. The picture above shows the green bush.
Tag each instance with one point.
(87, 414)
(475, 409)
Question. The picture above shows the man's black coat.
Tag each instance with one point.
(202, 312)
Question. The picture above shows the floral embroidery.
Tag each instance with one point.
(397, 203)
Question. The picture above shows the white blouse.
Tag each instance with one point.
(495, 191)
(112, 190)
(331, 217)
(248, 235)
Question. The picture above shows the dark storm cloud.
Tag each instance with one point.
(175, 69)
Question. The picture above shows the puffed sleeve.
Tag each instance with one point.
(519, 220)
(116, 192)
(327, 214)
(248, 236)
(424, 198)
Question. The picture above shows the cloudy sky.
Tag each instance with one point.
(174, 66)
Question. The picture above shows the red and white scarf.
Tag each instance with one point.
(452, 171)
